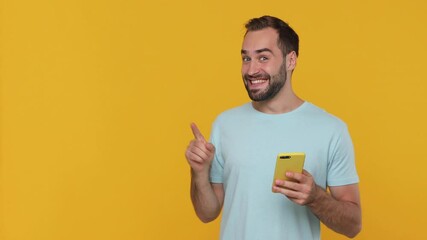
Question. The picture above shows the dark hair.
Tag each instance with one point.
(288, 40)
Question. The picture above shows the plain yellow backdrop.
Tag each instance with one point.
(97, 98)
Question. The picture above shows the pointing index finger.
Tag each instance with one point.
(196, 132)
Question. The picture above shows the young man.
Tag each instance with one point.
(234, 171)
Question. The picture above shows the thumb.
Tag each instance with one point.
(196, 132)
(306, 173)
(210, 147)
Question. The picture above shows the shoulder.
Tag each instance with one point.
(234, 114)
(322, 117)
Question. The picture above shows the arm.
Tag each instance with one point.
(339, 210)
(207, 198)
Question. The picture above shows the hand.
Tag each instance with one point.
(302, 191)
(199, 153)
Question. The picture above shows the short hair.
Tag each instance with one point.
(288, 40)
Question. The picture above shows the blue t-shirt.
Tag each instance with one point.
(247, 142)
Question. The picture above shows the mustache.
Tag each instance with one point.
(256, 76)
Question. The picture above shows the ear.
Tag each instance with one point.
(291, 61)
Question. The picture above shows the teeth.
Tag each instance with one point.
(258, 81)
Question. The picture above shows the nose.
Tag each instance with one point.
(253, 68)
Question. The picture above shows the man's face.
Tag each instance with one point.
(263, 67)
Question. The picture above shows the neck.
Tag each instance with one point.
(284, 101)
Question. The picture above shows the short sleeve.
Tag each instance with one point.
(341, 163)
(217, 167)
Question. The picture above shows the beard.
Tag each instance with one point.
(276, 82)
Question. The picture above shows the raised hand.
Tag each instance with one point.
(199, 153)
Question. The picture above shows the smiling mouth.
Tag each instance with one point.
(257, 81)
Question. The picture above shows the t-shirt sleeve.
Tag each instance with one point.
(217, 165)
(341, 164)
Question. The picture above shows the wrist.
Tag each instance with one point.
(317, 196)
(200, 176)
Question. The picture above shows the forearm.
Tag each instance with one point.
(205, 201)
(341, 216)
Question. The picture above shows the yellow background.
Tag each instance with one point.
(97, 97)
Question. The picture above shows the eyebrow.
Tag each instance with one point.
(257, 51)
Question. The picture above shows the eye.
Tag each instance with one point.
(246, 59)
(263, 59)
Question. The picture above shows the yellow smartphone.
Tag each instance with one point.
(288, 162)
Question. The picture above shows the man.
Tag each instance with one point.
(234, 171)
